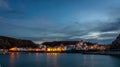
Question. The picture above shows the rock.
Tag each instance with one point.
(116, 43)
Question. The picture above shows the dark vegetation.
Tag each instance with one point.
(58, 43)
(8, 42)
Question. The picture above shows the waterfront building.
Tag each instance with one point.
(53, 49)
(1, 50)
(22, 49)
(14, 49)
(78, 48)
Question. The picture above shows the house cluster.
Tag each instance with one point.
(40, 48)
(84, 46)
(78, 46)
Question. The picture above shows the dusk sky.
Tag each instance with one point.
(50, 20)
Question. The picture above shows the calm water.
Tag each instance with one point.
(58, 60)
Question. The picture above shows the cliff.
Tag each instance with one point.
(116, 43)
(8, 42)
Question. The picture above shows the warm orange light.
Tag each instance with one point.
(13, 49)
(12, 55)
(59, 49)
(53, 49)
(52, 54)
(91, 47)
(30, 49)
(48, 49)
(37, 49)
(63, 49)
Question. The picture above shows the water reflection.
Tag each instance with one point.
(52, 59)
(52, 54)
(12, 57)
(58, 60)
(92, 60)
(84, 59)
(87, 59)
(37, 54)
(17, 55)
(37, 58)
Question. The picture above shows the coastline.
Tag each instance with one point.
(74, 52)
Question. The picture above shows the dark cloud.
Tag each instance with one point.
(44, 38)
(112, 26)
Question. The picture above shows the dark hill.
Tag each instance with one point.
(58, 43)
(8, 42)
(116, 43)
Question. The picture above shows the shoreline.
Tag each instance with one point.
(73, 52)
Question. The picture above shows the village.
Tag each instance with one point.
(80, 46)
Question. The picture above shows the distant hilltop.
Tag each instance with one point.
(58, 43)
(8, 42)
(116, 43)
